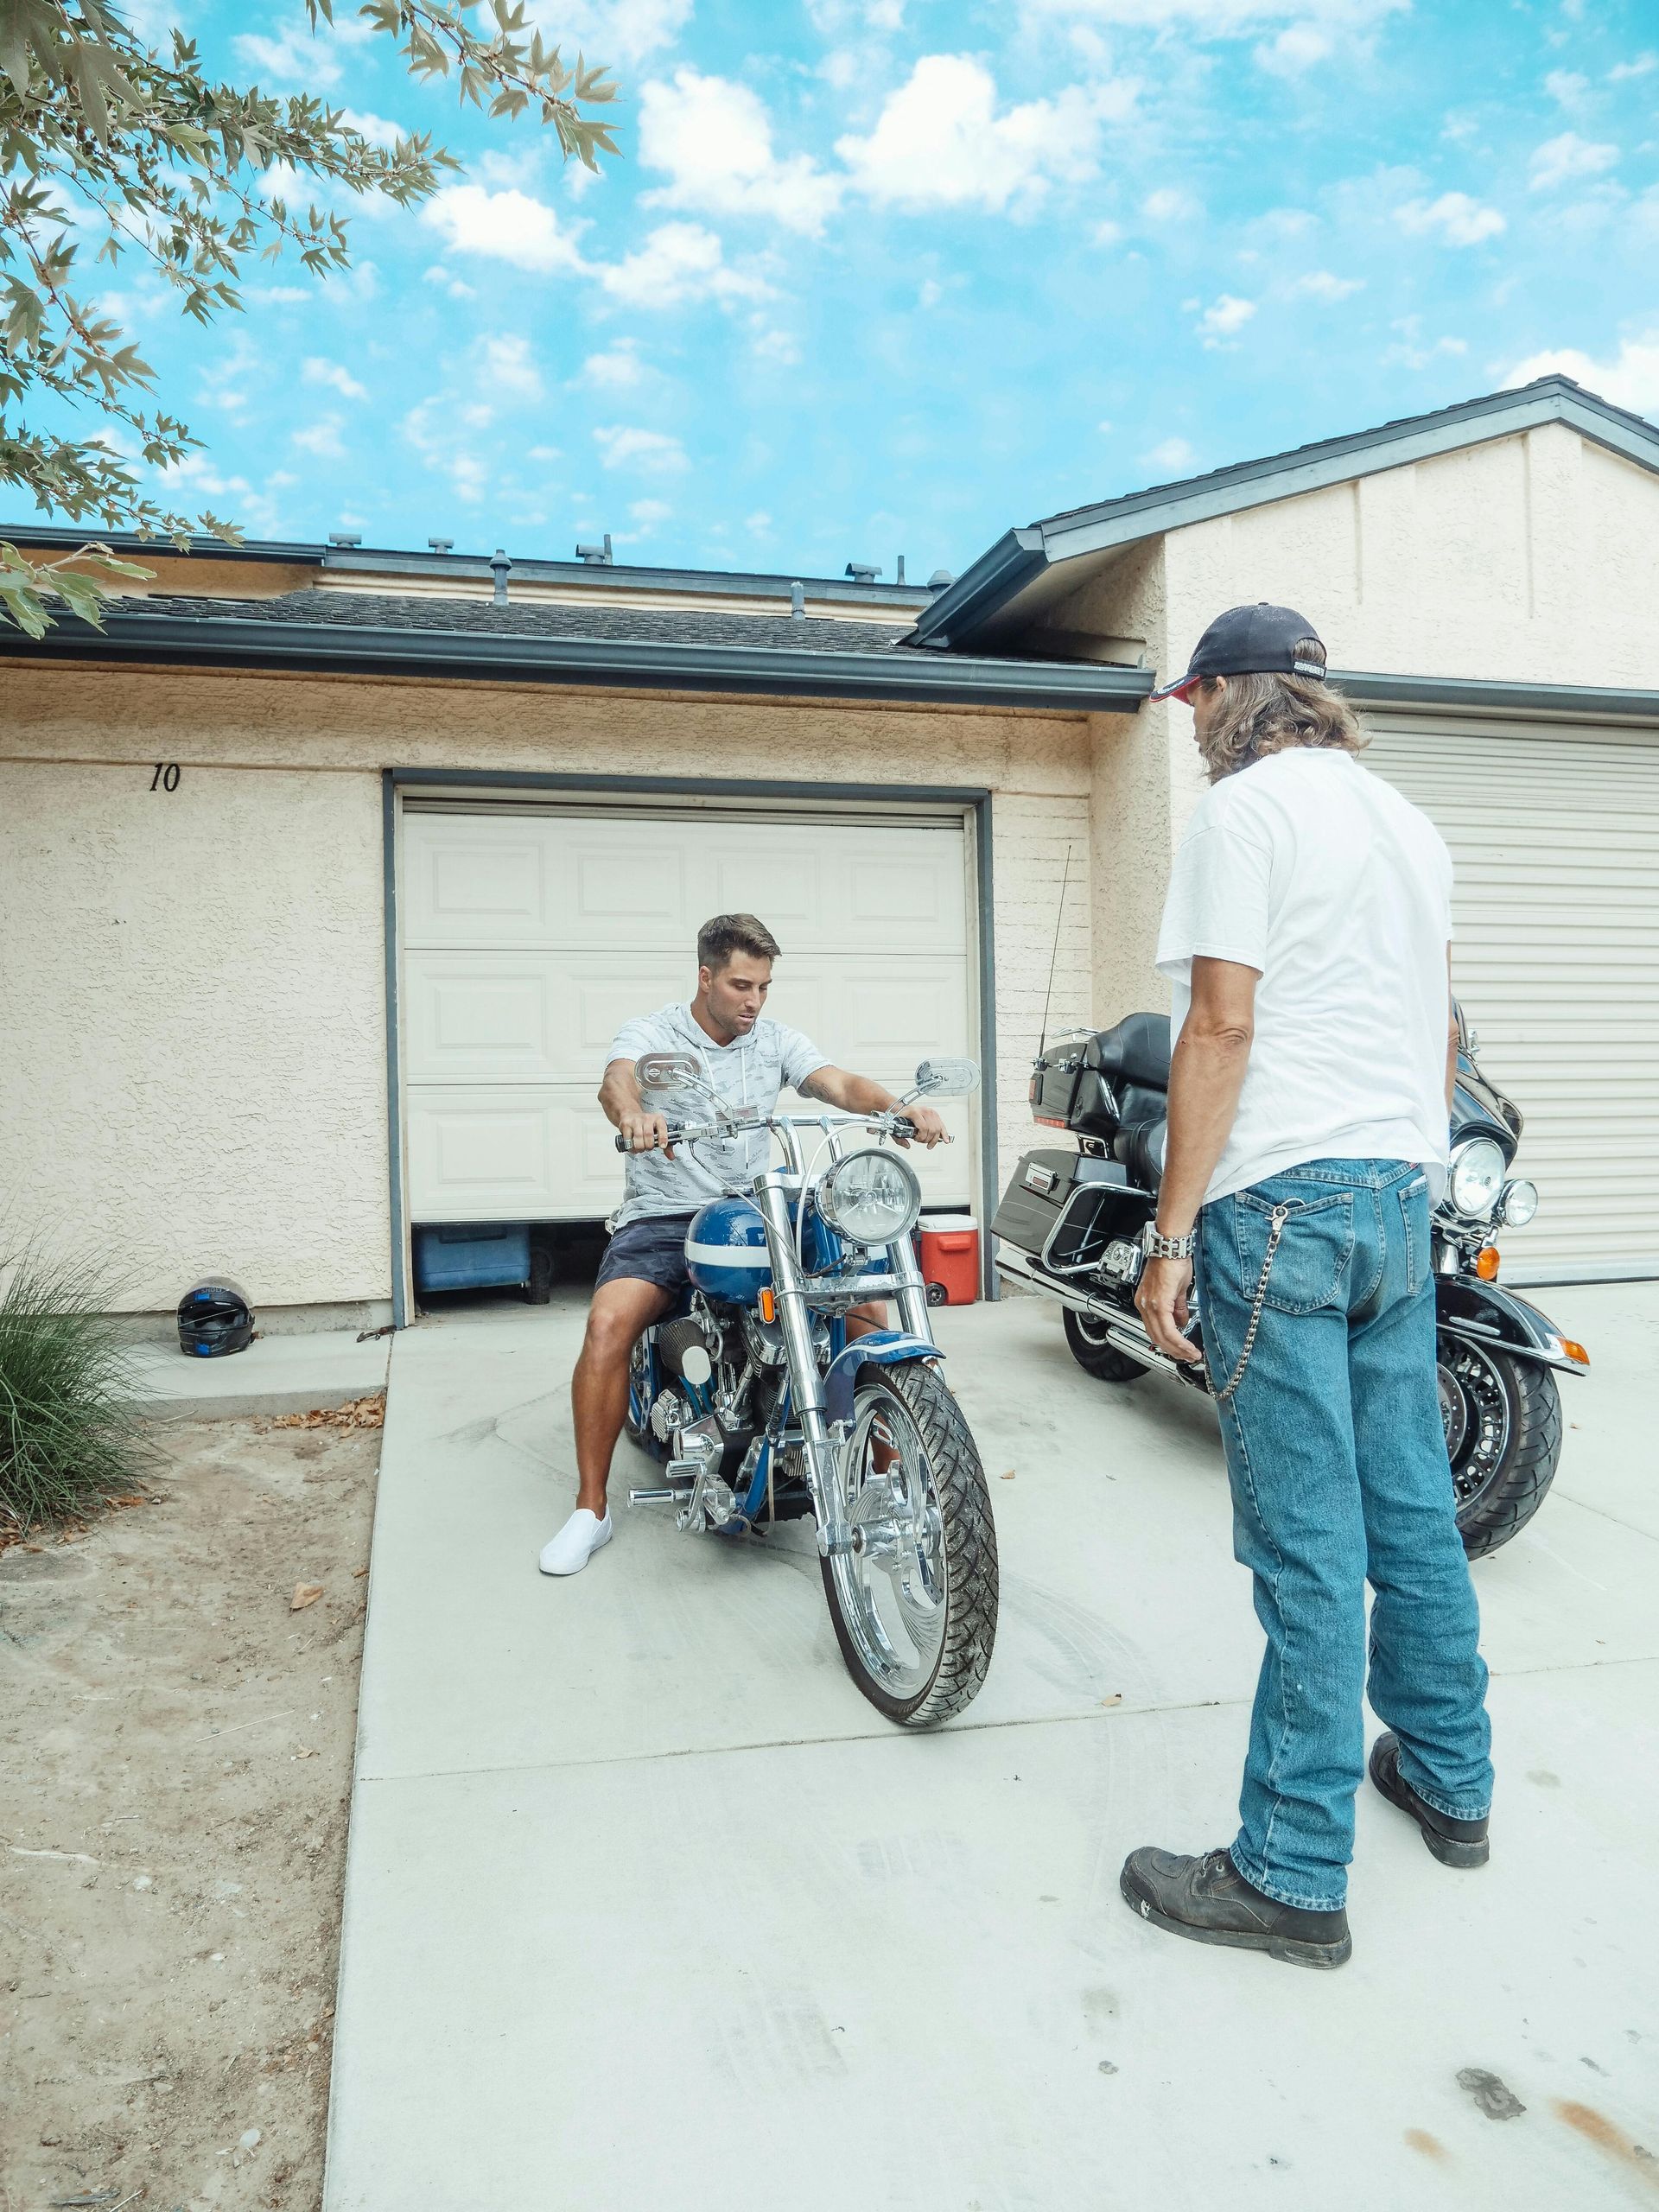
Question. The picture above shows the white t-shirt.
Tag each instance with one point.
(749, 1071)
(1316, 872)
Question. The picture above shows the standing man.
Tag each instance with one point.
(748, 1061)
(1305, 939)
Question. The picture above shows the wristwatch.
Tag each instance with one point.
(1167, 1248)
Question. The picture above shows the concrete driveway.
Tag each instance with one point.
(647, 1911)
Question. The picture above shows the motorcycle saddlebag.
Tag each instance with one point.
(1040, 1201)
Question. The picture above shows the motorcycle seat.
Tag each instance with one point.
(1136, 1050)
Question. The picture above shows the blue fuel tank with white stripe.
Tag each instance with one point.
(725, 1253)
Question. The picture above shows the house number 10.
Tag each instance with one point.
(166, 777)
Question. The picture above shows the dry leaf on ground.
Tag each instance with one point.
(356, 1412)
(305, 1593)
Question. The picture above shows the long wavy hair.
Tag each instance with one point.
(1264, 713)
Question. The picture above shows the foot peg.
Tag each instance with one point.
(659, 1497)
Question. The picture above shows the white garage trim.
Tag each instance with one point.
(483, 791)
(1554, 831)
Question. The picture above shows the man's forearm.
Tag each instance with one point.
(854, 1094)
(1206, 1075)
(619, 1094)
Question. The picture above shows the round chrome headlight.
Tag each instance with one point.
(1517, 1203)
(1477, 1176)
(870, 1197)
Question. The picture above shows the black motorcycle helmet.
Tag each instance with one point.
(214, 1317)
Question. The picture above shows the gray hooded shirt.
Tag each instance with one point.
(749, 1071)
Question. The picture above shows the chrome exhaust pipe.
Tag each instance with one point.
(1122, 1333)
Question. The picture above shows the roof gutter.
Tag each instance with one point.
(1472, 694)
(131, 634)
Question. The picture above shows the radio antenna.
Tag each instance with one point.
(1054, 956)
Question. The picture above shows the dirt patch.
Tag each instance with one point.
(177, 1743)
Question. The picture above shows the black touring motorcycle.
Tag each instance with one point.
(1069, 1227)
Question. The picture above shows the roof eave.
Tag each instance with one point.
(987, 589)
(133, 635)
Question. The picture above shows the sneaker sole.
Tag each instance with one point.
(1445, 1848)
(1285, 1949)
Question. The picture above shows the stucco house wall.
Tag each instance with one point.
(192, 983)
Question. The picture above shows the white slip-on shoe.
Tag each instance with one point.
(581, 1537)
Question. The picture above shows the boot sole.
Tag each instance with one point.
(1445, 1848)
(1287, 1948)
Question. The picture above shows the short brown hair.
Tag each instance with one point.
(728, 934)
(1266, 713)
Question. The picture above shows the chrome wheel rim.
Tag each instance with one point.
(1093, 1333)
(1474, 1414)
(892, 1585)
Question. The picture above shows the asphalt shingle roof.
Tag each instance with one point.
(668, 625)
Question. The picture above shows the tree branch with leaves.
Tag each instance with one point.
(102, 138)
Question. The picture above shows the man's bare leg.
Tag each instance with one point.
(621, 1311)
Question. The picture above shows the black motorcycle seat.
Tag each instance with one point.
(1136, 1050)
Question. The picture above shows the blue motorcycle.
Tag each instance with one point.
(762, 1408)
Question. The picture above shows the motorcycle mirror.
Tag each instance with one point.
(666, 1070)
(696, 1366)
(946, 1079)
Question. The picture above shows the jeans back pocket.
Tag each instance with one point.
(1314, 1248)
(1414, 1227)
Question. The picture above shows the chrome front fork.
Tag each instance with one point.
(795, 1318)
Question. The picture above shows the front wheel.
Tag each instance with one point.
(1094, 1354)
(914, 1601)
(1503, 1421)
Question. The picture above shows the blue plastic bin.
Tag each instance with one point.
(472, 1255)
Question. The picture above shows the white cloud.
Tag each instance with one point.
(299, 56)
(678, 263)
(545, 454)
(1644, 66)
(714, 139)
(1630, 380)
(617, 369)
(1223, 318)
(1320, 284)
(940, 142)
(374, 127)
(1558, 160)
(1410, 352)
(649, 512)
(453, 285)
(322, 439)
(508, 226)
(317, 371)
(428, 428)
(509, 367)
(1298, 47)
(1566, 87)
(1170, 204)
(653, 451)
(618, 32)
(758, 524)
(1172, 455)
(1212, 19)
(1107, 234)
(1459, 220)
(781, 349)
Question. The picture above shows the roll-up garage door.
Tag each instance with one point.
(529, 936)
(1555, 834)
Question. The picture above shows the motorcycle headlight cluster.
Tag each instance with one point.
(870, 1197)
(1477, 1176)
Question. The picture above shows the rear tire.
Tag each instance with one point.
(951, 1584)
(1503, 1421)
(1087, 1340)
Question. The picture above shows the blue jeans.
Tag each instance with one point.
(1337, 1458)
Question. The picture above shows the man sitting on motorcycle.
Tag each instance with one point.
(747, 1060)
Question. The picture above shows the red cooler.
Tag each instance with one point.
(947, 1245)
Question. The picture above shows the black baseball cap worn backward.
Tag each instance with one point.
(1250, 641)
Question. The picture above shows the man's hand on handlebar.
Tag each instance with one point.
(639, 1131)
(925, 1125)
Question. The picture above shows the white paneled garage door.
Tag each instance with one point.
(1555, 835)
(529, 935)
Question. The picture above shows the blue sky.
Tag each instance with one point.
(890, 275)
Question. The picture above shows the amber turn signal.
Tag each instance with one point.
(1486, 1264)
(1575, 1351)
(768, 1306)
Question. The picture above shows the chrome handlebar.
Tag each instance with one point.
(889, 1124)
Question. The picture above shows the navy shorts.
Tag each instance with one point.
(653, 1250)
